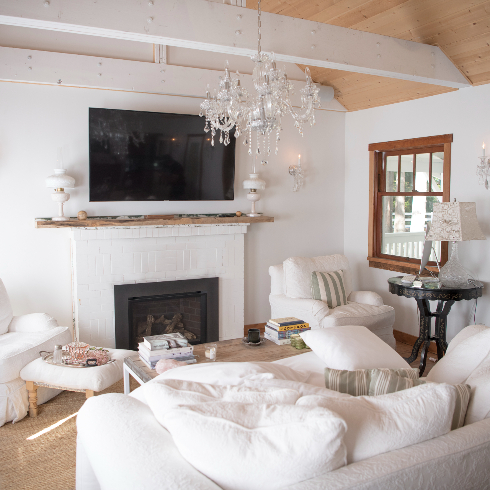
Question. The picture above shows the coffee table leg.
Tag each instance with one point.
(127, 388)
(89, 393)
(32, 389)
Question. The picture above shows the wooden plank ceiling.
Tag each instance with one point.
(461, 28)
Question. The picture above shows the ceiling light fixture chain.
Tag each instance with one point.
(232, 106)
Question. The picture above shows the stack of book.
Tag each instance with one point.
(167, 346)
(279, 330)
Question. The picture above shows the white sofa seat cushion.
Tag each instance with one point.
(380, 424)
(95, 378)
(352, 347)
(369, 316)
(18, 349)
(6, 313)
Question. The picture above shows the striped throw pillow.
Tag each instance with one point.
(329, 287)
(383, 382)
(356, 383)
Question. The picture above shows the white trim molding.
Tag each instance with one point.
(230, 29)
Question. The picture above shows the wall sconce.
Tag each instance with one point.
(297, 172)
(483, 168)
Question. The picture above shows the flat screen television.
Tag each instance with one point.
(151, 156)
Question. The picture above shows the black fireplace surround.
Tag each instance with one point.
(124, 292)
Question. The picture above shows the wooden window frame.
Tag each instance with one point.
(376, 181)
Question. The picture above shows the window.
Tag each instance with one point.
(406, 178)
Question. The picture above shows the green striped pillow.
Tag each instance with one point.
(383, 382)
(329, 287)
(356, 383)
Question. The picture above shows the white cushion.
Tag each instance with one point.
(33, 322)
(19, 349)
(464, 334)
(6, 313)
(95, 378)
(168, 394)
(369, 316)
(352, 347)
(460, 362)
(479, 406)
(376, 425)
(298, 270)
(249, 446)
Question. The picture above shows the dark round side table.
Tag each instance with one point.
(445, 296)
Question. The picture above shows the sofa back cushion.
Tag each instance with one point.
(6, 313)
(298, 270)
(379, 424)
(460, 361)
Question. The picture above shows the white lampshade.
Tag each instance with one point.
(254, 182)
(60, 180)
(454, 222)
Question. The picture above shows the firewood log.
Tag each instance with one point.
(175, 320)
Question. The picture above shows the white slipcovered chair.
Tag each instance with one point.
(21, 339)
(291, 296)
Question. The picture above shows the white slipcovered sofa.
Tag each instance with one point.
(138, 452)
(291, 296)
(21, 339)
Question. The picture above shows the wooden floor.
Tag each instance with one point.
(40, 452)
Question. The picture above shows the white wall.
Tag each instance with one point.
(35, 264)
(461, 113)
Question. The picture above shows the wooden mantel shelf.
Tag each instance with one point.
(97, 222)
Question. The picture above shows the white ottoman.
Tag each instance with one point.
(90, 380)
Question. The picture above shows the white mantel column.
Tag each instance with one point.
(103, 257)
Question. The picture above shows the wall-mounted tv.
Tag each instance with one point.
(151, 156)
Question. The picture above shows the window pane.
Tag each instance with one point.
(437, 171)
(406, 174)
(422, 172)
(404, 220)
(392, 174)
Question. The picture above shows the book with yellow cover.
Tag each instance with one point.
(297, 325)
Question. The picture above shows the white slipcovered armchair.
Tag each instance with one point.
(291, 296)
(21, 339)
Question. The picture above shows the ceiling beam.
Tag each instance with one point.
(230, 29)
(74, 70)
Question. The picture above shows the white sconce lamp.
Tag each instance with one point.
(483, 168)
(297, 172)
(60, 181)
(253, 184)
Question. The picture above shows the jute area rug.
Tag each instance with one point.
(32, 459)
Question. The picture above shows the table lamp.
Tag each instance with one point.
(253, 184)
(454, 222)
(60, 181)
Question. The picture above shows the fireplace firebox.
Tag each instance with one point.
(189, 307)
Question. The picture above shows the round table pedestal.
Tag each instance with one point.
(445, 298)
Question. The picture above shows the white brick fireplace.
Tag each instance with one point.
(103, 257)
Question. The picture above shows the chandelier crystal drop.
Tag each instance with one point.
(258, 116)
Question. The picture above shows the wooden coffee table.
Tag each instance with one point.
(228, 351)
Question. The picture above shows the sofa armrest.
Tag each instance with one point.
(33, 322)
(366, 298)
(137, 451)
(311, 311)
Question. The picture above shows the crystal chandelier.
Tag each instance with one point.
(258, 115)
